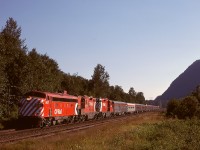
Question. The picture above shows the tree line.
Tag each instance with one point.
(187, 107)
(23, 70)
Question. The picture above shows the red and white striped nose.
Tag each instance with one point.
(31, 107)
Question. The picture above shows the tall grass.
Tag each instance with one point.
(143, 133)
(168, 135)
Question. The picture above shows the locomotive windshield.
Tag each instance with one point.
(35, 94)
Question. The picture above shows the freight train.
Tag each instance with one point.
(39, 109)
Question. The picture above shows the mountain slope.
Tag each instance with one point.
(183, 85)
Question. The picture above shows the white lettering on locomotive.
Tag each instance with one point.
(58, 111)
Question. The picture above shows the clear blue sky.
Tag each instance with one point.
(143, 44)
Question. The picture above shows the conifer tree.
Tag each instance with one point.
(100, 81)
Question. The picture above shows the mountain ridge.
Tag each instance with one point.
(183, 85)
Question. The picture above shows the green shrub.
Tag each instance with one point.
(188, 107)
(185, 108)
(172, 107)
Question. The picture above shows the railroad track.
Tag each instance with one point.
(14, 136)
(7, 131)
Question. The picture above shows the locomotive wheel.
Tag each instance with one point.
(95, 117)
(78, 119)
(53, 122)
(104, 115)
(72, 120)
(84, 118)
(49, 123)
(41, 124)
(65, 121)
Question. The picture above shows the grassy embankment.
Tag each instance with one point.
(147, 131)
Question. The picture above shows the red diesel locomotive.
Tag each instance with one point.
(46, 108)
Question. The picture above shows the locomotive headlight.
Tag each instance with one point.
(28, 98)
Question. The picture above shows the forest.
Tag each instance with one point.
(23, 70)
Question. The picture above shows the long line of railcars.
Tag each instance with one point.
(44, 108)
